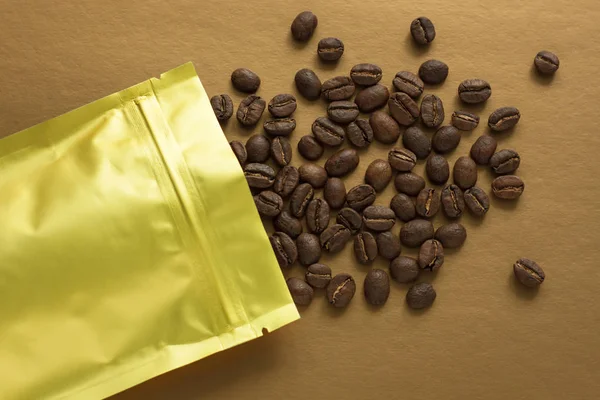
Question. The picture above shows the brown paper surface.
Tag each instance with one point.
(485, 337)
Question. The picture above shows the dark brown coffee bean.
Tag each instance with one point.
(528, 272)
(402, 160)
(250, 110)
(483, 149)
(335, 193)
(379, 218)
(342, 111)
(404, 109)
(286, 181)
(318, 276)
(385, 128)
(431, 255)
(259, 176)
(508, 187)
(377, 287)
(546, 62)
(378, 175)
(313, 174)
(409, 183)
(414, 233)
(308, 84)
(350, 219)
(504, 118)
(421, 295)
(301, 292)
(465, 121)
(438, 170)
(340, 290)
(372, 98)
(360, 197)
(330, 49)
(301, 196)
(446, 139)
(338, 88)
(280, 126)
(474, 91)
(288, 224)
(328, 132)
(317, 216)
(304, 26)
(334, 238)
(477, 201)
(268, 203)
(222, 106)
(404, 269)
(309, 249)
(365, 247)
(258, 149)
(453, 201)
(465, 172)
(282, 105)
(505, 161)
(403, 207)
(416, 141)
(284, 248)
(360, 133)
(388, 245)
(428, 203)
(409, 83)
(433, 72)
(310, 148)
(432, 111)
(342, 162)
(281, 151)
(240, 151)
(422, 30)
(451, 236)
(245, 80)
(366, 74)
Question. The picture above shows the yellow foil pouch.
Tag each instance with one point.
(129, 245)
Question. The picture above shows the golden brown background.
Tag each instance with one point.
(485, 337)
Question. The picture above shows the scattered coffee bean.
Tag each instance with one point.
(402, 160)
(341, 290)
(258, 149)
(245, 80)
(453, 201)
(388, 245)
(437, 168)
(446, 139)
(360, 133)
(334, 238)
(404, 269)
(286, 181)
(431, 255)
(414, 233)
(288, 224)
(350, 218)
(240, 151)
(317, 216)
(335, 193)
(474, 91)
(377, 287)
(284, 248)
(504, 118)
(310, 148)
(379, 218)
(365, 247)
(378, 175)
(409, 83)
(250, 110)
(465, 121)
(304, 26)
(505, 161)
(259, 176)
(313, 174)
(403, 207)
(366, 74)
(309, 248)
(428, 203)
(416, 141)
(330, 49)
(409, 183)
(508, 187)
(280, 126)
(301, 291)
(385, 128)
(477, 201)
(404, 109)
(342, 162)
(432, 111)
(268, 203)
(338, 88)
(372, 98)
(433, 72)
(421, 295)
(465, 172)
(308, 84)
(360, 197)
(222, 106)
(301, 196)
(483, 149)
(281, 151)
(546, 62)
(451, 236)
(528, 272)
(318, 276)
(282, 105)
(422, 30)
(342, 111)
(328, 132)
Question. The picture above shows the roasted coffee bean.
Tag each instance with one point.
(343, 111)
(414, 233)
(431, 255)
(330, 49)
(378, 175)
(259, 176)
(365, 247)
(422, 30)
(286, 181)
(340, 290)
(284, 248)
(403, 207)
(338, 88)
(465, 172)
(350, 219)
(402, 160)
(421, 295)
(377, 287)
(268, 203)
(474, 91)
(438, 170)
(308, 84)
(301, 196)
(416, 141)
(222, 106)
(446, 139)
(379, 218)
(240, 151)
(508, 187)
(483, 149)
(504, 118)
(428, 203)
(366, 74)
(505, 161)
(404, 269)
(453, 201)
(403, 108)
(432, 111)
(335, 193)
(280, 126)
(245, 80)
(334, 238)
(409, 183)
(388, 245)
(409, 83)
(528, 272)
(451, 236)
(304, 26)
(342, 162)
(433, 72)
(360, 197)
(281, 151)
(258, 149)
(317, 216)
(546, 62)
(477, 201)
(301, 291)
(288, 224)
(385, 128)
(372, 98)
(282, 105)
(310, 148)
(360, 133)
(313, 174)
(250, 110)
(309, 249)
(465, 121)
(318, 276)
(328, 132)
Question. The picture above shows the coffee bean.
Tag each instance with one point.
(402, 160)
(280, 126)
(313, 174)
(328, 132)
(259, 176)
(304, 26)
(505, 161)
(379, 218)
(385, 128)
(350, 219)
(286, 181)
(338, 88)
(360, 133)
(330, 49)
(318, 276)
(308, 84)
(446, 139)
(421, 295)
(284, 248)
(240, 151)
(360, 197)
(404, 269)
(309, 249)
(317, 216)
(477, 201)
(409, 183)
(310, 148)
(258, 149)
(281, 151)
(431, 255)
(404, 109)
(282, 105)
(437, 168)
(334, 238)
(508, 187)
(409, 83)
(222, 106)
(245, 80)
(342, 162)
(378, 175)
(528, 272)
(342, 111)
(432, 111)
(403, 207)
(433, 72)
(474, 91)
(416, 141)
(377, 287)
(422, 30)
(465, 172)
(546, 62)
(366, 74)
(301, 292)
(250, 110)
(268, 203)
(453, 201)
(504, 118)
(288, 224)
(372, 98)
(365, 247)
(451, 236)
(301, 196)
(335, 193)
(388, 245)
(483, 149)
(414, 233)
(340, 290)
(428, 203)
(465, 121)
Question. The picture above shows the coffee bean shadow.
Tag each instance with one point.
(522, 291)
(415, 49)
(542, 79)
(417, 312)
(247, 130)
(476, 109)
(297, 44)
(508, 205)
(473, 220)
(325, 65)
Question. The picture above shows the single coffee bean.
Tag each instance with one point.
(280, 126)
(360, 197)
(281, 151)
(433, 72)
(465, 172)
(428, 203)
(317, 216)
(409, 183)
(245, 80)
(404, 269)
(222, 106)
(505, 161)
(546, 62)
(282, 105)
(421, 295)
(308, 84)
(432, 111)
(465, 121)
(378, 175)
(301, 196)
(342, 111)
(240, 151)
(508, 187)
(286, 181)
(385, 128)
(250, 110)
(330, 49)
(338, 88)
(334, 238)
(437, 168)
(284, 248)
(388, 245)
(379, 218)
(304, 26)
(342, 162)
(422, 30)
(446, 139)
(366, 74)
(313, 174)
(503, 118)
(451, 236)
(258, 148)
(403, 207)
(372, 98)
(335, 193)
(350, 219)
(377, 287)
(414, 233)
(301, 291)
(474, 91)
(259, 176)
(431, 255)
(483, 149)
(318, 276)
(528, 272)
(453, 201)
(360, 133)
(416, 141)
(288, 224)
(340, 290)
(268, 203)
(477, 201)
(309, 249)
(404, 109)
(365, 247)
(409, 83)
(402, 160)
(328, 132)
(310, 148)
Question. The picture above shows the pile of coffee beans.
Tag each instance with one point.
(313, 211)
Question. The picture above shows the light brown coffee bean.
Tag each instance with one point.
(508, 187)
(404, 269)
(483, 149)
(403, 207)
(340, 290)
(428, 203)
(409, 183)
(414, 233)
(401, 159)
(403, 108)
(378, 175)
(465, 172)
(379, 218)
(377, 287)
(318, 276)
(342, 162)
(313, 174)
(301, 292)
(388, 245)
(365, 247)
(335, 193)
